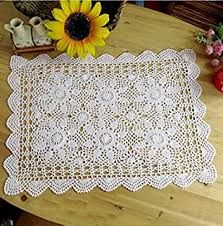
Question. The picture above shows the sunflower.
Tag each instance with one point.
(78, 27)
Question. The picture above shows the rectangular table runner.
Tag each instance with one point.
(106, 122)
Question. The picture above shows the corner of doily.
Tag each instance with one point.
(17, 61)
(12, 186)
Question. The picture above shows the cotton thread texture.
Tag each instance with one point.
(106, 122)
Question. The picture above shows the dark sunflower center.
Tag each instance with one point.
(77, 26)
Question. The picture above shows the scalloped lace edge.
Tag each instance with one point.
(13, 186)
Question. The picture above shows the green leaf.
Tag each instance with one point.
(218, 30)
(201, 38)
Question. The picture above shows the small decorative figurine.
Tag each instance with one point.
(20, 33)
(39, 32)
(29, 38)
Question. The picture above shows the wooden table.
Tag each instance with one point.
(139, 29)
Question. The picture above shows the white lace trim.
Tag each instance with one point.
(106, 122)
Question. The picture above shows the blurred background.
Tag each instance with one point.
(199, 13)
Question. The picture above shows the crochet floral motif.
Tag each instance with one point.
(106, 122)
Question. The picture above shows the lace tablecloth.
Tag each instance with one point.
(106, 122)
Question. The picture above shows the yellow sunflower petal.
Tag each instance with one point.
(96, 10)
(101, 20)
(59, 14)
(89, 47)
(101, 32)
(65, 5)
(97, 41)
(80, 50)
(55, 26)
(85, 6)
(75, 5)
(54, 35)
(63, 43)
(71, 49)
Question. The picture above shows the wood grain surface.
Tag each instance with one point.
(139, 29)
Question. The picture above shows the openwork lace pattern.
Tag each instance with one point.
(106, 122)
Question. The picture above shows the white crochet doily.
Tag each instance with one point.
(106, 122)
